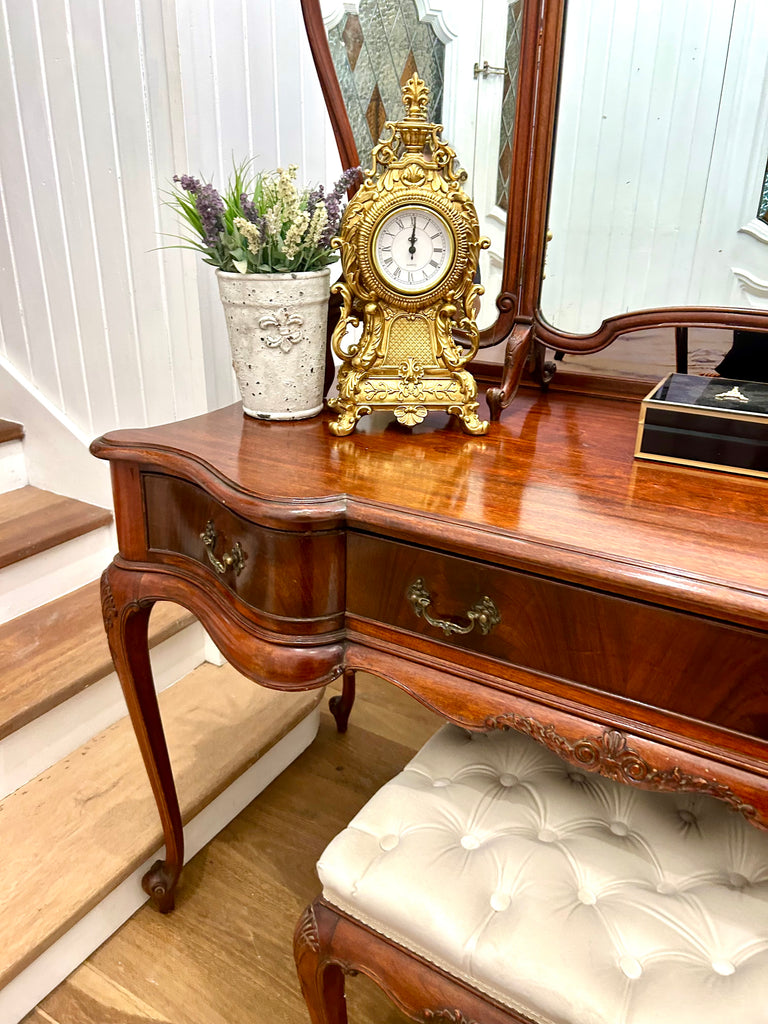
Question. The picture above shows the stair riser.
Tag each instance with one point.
(31, 750)
(42, 578)
(13, 468)
(26, 990)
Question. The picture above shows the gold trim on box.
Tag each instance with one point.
(692, 410)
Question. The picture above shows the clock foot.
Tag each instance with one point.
(470, 421)
(348, 417)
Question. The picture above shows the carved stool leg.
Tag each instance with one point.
(341, 705)
(126, 620)
(322, 983)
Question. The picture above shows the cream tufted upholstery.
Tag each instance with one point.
(569, 897)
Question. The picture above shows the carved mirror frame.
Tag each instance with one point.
(520, 323)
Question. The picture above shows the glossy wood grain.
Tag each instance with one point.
(285, 574)
(646, 654)
(555, 489)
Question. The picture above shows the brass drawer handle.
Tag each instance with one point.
(234, 559)
(484, 614)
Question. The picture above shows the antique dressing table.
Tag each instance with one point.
(632, 598)
(538, 578)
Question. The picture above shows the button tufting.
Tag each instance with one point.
(470, 842)
(508, 780)
(631, 967)
(388, 843)
(687, 817)
(724, 967)
(577, 778)
(619, 828)
(666, 889)
(500, 901)
(439, 783)
(546, 835)
(587, 897)
(737, 881)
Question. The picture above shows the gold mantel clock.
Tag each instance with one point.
(409, 243)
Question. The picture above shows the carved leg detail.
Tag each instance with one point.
(340, 706)
(518, 349)
(126, 620)
(322, 983)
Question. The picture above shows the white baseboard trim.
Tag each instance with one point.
(26, 753)
(36, 580)
(51, 968)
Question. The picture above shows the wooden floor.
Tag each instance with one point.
(224, 956)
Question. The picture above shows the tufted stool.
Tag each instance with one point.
(492, 882)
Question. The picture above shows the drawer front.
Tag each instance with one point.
(290, 575)
(646, 653)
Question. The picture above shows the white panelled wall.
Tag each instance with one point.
(103, 102)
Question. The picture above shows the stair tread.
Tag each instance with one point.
(10, 431)
(55, 651)
(76, 831)
(33, 520)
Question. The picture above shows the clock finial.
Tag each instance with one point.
(415, 98)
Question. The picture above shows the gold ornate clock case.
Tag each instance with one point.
(409, 243)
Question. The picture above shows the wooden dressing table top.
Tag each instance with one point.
(632, 597)
(554, 488)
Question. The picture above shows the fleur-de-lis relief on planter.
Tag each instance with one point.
(283, 330)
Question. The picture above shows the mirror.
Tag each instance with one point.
(661, 108)
(659, 157)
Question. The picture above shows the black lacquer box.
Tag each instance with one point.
(711, 422)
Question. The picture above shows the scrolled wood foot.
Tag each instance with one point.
(517, 351)
(340, 706)
(126, 620)
(159, 884)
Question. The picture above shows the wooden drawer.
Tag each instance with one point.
(646, 653)
(287, 575)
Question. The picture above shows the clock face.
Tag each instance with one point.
(413, 249)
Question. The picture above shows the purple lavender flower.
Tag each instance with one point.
(210, 207)
(316, 196)
(349, 178)
(333, 206)
(250, 211)
(188, 183)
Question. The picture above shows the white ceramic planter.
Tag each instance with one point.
(277, 331)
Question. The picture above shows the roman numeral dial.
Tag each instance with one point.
(413, 249)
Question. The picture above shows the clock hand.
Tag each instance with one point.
(412, 239)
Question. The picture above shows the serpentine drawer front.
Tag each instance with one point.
(635, 650)
(274, 572)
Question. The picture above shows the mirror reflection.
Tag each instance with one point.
(657, 193)
(468, 55)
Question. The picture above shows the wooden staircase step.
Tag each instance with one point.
(33, 520)
(76, 831)
(10, 431)
(54, 652)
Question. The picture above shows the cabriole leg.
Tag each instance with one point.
(126, 620)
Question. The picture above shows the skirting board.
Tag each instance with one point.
(51, 968)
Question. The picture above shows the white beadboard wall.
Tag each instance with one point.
(103, 102)
(249, 88)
